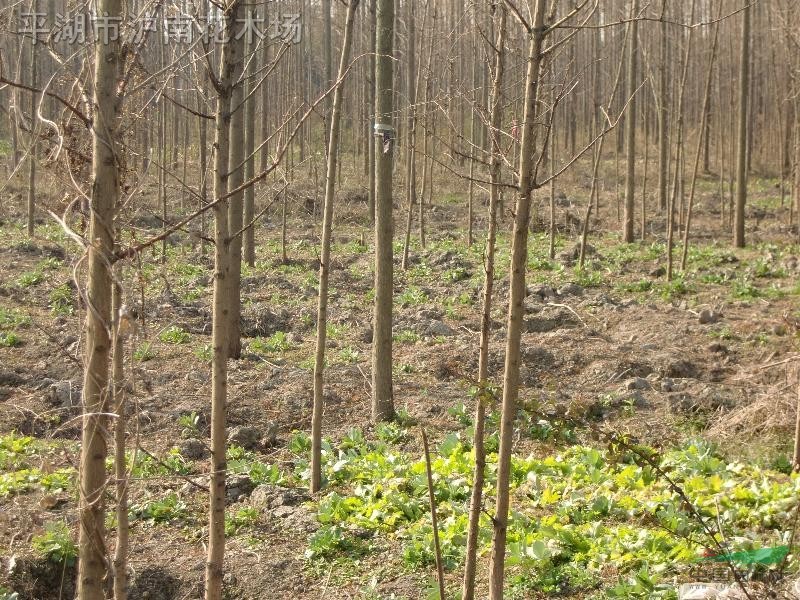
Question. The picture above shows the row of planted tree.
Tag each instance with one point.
(507, 96)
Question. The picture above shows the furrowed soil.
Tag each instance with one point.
(613, 347)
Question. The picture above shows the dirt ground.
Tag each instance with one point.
(616, 346)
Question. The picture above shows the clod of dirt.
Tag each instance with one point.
(244, 436)
(437, 328)
(707, 316)
(268, 496)
(153, 583)
(11, 379)
(259, 320)
(550, 320)
(238, 486)
(570, 289)
(637, 383)
(681, 369)
(64, 394)
(270, 437)
(193, 449)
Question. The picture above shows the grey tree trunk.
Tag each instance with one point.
(220, 319)
(516, 309)
(484, 394)
(741, 147)
(249, 238)
(630, 127)
(663, 125)
(700, 141)
(325, 255)
(92, 555)
(236, 169)
(34, 98)
(382, 400)
(120, 464)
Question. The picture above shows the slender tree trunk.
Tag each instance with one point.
(120, 464)
(382, 401)
(92, 552)
(643, 233)
(630, 127)
(704, 116)
(34, 98)
(412, 82)
(516, 309)
(236, 171)
(677, 180)
(325, 257)
(484, 394)
(663, 125)
(742, 154)
(220, 320)
(249, 235)
(371, 99)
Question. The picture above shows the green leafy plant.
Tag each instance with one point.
(204, 352)
(278, 342)
(13, 318)
(144, 352)
(30, 278)
(60, 300)
(412, 296)
(159, 510)
(9, 339)
(56, 544)
(174, 335)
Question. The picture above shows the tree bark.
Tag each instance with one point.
(236, 169)
(92, 554)
(220, 319)
(516, 309)
(382, 401)
(741, 147)
(120, 464)
(483, 394)
(325, 255)
(630, 127)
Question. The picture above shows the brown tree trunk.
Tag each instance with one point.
(742, 135)
(516, 309)
(325, 255)
(484, 394)
(220, 319)
(630, 127)
(382, 400)
(92, 554)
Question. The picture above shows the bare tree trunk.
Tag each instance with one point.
(203, 181)
(742, 154)
(411, 152)
(34, 98)
(236, 170)
(220, 319)
(382, 400)
(437, 549)
(484, 394)
(704, 116)
(516, 309)
(643, 233)
(92, 553)
(120, 464)
(663, 111)
(677, 179)
(325, 255)
(373, 140)
(249, 237)
(630, 126)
